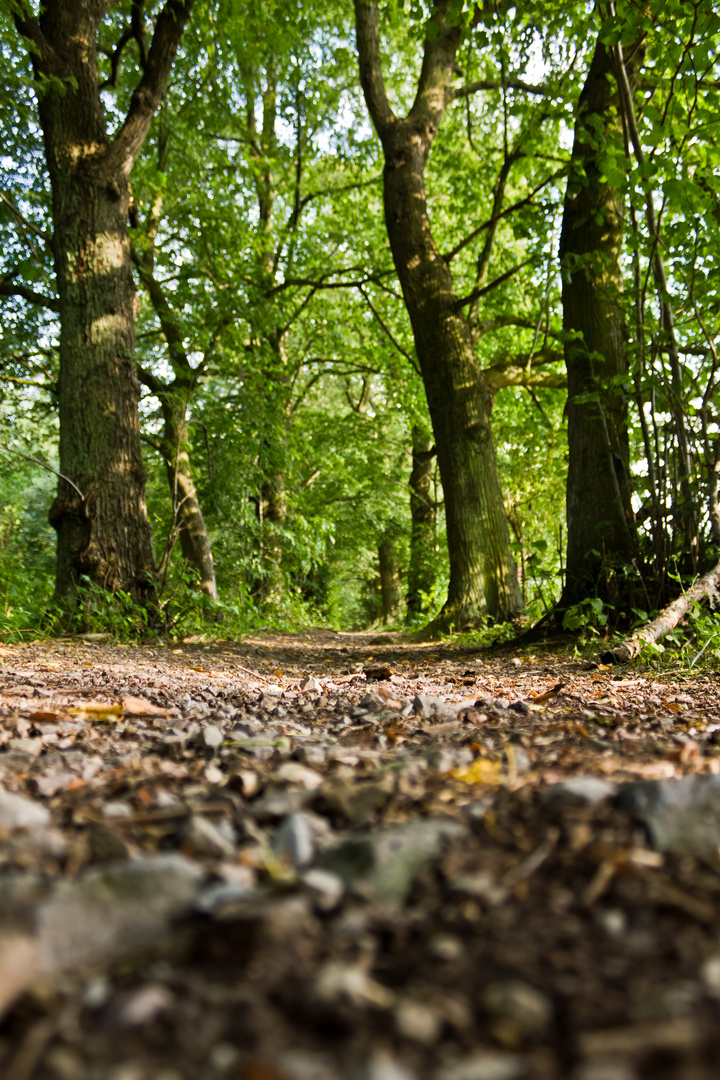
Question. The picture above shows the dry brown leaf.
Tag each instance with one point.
(22, 963)
(137, 706)
(541, 698)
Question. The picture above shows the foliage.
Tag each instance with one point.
(264, 175)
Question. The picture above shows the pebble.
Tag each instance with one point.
(115, 908)
(213, 737)
(578, 791)
(484, 1065)
(19, 812)
(382, 1065)
(518, 1009)
(292, 772)
(417, 1021)
(201, 836)
(294, 842)
(327, 888)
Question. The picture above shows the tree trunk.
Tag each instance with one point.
(421, 571)
(389, 579)
(104, 533)
(100, 517)
(272, 505)
(173, 398)
(192, 531)
(483, 576)
(601, 532)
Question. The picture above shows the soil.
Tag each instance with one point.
(404, 869)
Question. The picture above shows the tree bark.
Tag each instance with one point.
(389, 579)
(601, 532)
(421, 571)
(175, 451)
(101, 522)
(174, 398)
(483, 576)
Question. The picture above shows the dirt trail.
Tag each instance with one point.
(335, 856)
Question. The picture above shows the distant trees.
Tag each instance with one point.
(349, 351)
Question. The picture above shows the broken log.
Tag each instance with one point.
(705, 588)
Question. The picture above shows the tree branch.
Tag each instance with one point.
(515, 371)
(492, 84)
(10, 288)
(149, 91)
(387, 331)
(477, 293)
(371, 76)
(166, 316)
(502, 214)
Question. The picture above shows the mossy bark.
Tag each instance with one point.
(423, 514)
(100, 516)
(601, 534)
(483, 576)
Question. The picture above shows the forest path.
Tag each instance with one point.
(325, 856)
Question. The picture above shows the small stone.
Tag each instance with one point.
(427, 707)
(520, 707)
(203, 837)
(312, 755)
(213, 775)
(710, 975)
(213, 737)
(112, 909)
(106, 845)
(484, 1065)
(519, 1011)
(382, 1065)
(417, 1021)
(578, 791)
(372, 703)
(311, 685)
(19, 812)
(338, 981)
(294, 773)
(327, 888)
(279, 803)
(294, 842)
(446, 947)
(144, 1005)
(682, 815)
(605, 1068)
(384, 864)
(223, 1056)
(116, 808)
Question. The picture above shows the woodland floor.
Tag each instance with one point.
(349, 857)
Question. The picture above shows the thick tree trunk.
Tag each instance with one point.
(601, 533)
(100, 518)
(105, 534)
(389, 579)
(421, 571)
(483, 576)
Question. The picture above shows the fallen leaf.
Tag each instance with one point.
(541, 698)
(137, 706)
(482, 771)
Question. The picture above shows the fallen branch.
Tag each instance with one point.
(653, 632)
